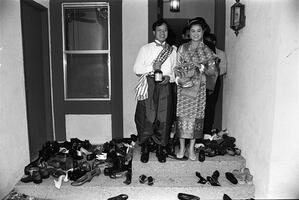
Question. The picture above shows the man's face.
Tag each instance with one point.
(161, 33)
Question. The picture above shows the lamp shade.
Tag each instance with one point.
(237, 16)
(174, 5)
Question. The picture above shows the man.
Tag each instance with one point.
(212, 95)
(153, 114)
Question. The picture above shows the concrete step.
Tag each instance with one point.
(176, 168)
(102, 187)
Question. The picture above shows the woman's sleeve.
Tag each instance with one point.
(210, 68)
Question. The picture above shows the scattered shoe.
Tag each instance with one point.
(201, 180)
(150, 181)
(213, 180)
(226, 197)
(119, 197)
(34, 177)
(241, 177)
(231, 178)
(248, 176)
(184, 196)
(142, 179)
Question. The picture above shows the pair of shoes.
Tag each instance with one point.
(119, 197)
(213, 180)
(184, 196)
(201, 180)
(34, 176)
(143, 179)
(233, 151)
(161, 154)
(144, 153)
(240, 176)
(230, 176)
(248, 176)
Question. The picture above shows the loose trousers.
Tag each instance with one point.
(154, 115)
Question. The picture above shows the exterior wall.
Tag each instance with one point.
(135, 30)
(13, 123)
(284, 173)
(261, 94)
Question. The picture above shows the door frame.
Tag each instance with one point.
(46, 76)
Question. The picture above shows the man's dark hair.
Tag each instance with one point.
(159, 23)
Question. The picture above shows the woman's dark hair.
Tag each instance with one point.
(159, 23)
(199, 21)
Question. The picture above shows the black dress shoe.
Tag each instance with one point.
(161, 154)
(184, 196)
(201, 155)
(119, 197)
(201, 180)
(231, 177)
(144, 153)
(34, 177)
(226, 197)
(128, 178)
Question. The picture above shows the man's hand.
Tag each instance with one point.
(157, 65)
(165, 80)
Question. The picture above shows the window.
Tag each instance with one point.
(86, 51)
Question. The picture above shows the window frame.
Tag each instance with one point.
(65, 52)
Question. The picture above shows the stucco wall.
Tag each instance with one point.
(284, 172)
(13, 125)
(135, 22)
(261, 94)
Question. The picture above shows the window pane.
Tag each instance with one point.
(86, 28)
(87, 76)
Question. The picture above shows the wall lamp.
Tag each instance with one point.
(174, 5)
(237, 16)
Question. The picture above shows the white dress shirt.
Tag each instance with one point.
(146, 56)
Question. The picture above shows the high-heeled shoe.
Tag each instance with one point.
(213, 180)
(87, 177)
(201, 180)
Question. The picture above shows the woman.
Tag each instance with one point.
(195, 61)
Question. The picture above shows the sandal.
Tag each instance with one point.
(142, 179)
(150, 181)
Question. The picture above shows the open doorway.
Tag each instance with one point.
(214, 14)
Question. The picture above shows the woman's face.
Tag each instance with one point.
(196, 33)
(161, 33)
